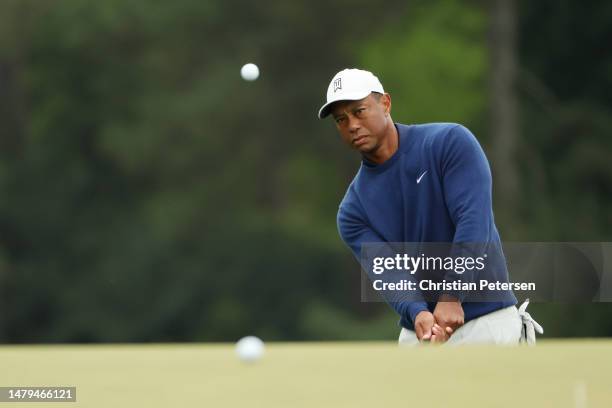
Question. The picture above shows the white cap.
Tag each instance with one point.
(350, 85)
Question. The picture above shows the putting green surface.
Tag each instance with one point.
(552, 374)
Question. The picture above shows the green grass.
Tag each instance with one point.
(316, 375)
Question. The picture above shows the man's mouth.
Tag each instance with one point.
(359, 140)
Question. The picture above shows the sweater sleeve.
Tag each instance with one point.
(355, 231)
(467, 188)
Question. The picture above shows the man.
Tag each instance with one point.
(419, 183)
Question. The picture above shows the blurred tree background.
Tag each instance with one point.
(148, 193)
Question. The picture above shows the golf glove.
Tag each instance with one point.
(529, 326)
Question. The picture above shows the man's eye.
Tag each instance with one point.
(360, 110)
(339, 120)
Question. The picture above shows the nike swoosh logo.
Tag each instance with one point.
(421, 176)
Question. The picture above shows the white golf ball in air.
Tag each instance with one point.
(249, 72)
(250, 348)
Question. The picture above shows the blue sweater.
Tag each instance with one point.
(451, 203)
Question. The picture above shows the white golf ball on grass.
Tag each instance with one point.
(250, 349)
(249, 72)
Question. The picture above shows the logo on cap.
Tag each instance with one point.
(337, 84)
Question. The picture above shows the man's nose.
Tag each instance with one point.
(353, 124)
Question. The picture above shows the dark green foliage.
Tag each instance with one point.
(147, 193)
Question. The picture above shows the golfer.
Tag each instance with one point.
(420, 183)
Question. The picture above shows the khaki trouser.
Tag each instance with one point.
(502, 327)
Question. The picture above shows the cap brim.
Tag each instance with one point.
(324, 111)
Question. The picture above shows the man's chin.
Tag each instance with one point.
(366, 148)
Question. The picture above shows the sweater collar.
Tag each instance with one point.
(404, 144)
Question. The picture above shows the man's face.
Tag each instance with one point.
(363, 123)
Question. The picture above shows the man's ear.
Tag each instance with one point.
(386, 101)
